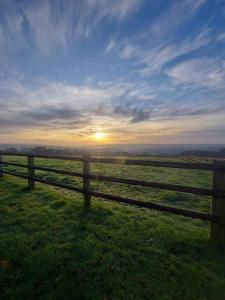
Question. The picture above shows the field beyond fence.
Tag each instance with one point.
(217, 192)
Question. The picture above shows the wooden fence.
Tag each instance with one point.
(216, 218)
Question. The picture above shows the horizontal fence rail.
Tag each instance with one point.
(163, 186)
(152, 205)
(151, 163)
(217, 218)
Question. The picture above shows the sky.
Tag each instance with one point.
(83, 72)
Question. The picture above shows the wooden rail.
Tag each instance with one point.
(217, 218)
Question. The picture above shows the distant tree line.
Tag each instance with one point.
(208, 154)
(43, 150)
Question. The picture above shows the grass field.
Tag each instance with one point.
(51, 249)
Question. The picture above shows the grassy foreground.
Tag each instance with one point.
(51, 249)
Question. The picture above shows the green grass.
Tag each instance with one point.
(50, 248)
(195, 178)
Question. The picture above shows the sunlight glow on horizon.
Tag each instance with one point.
(99, 135)
(159, 78)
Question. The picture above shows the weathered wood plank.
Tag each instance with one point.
(149, 205)
(15, 174)
(153, 163)
(48, 182)
(52, 170)
(1, 166)
(217, 231)
(59, 157)
(156, 206)
(6, 163)
(30, 172)
(86, 182)
(57, 171)
(163, 186)
(163, 164)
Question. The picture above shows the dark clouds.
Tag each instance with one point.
(44, 117)
(159, 112)
(67, 117)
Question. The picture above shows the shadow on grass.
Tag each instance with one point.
(55, 249)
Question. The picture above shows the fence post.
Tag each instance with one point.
(1, 166)
(217, 230)
(86, 182)
(31, 172)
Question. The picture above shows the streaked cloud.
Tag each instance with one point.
(49, 25)
(142, 71)
(177, 14)
(154, 59)
(208, 73)
(111, 45)
(59, 105)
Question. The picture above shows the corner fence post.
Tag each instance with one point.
(30, 172)
(217, 230)
(1, 166)
(86, 182)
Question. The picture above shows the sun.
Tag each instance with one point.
(99, 135)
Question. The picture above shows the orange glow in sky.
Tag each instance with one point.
(99, 135)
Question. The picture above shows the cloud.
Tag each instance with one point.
(170, 20)
(49, 25)
(205, 72)
(221, 37)
(40, 108)
(59, 105)
(156, 79)
(111, 45)
(162, 43)
(160, 112)
(39, 103)
(130, 51)
(115, 9)
(11, 28)
(154, 59)
(45, 117)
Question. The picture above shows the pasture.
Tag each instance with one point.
(50, 248)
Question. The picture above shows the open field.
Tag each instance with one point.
(195, 178)
(51, 249)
